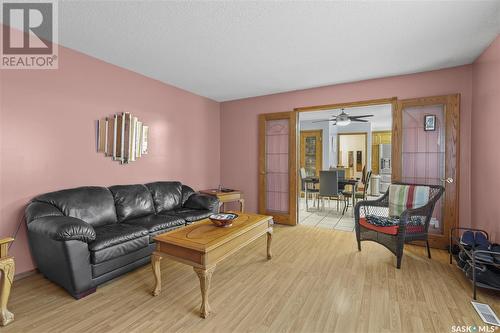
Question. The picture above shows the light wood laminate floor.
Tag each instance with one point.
(317, 281)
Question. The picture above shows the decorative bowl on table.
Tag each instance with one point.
(223, 220)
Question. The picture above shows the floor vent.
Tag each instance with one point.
(486, 313)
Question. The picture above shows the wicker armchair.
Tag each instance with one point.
(394, 237)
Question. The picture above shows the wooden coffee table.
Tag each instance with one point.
(203, 245)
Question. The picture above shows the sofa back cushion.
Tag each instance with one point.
(166, 195)
(92, 204)
(186, 193)
(132, 201)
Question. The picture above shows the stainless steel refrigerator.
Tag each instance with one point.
(385, 166)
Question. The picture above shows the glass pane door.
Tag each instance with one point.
(277, 170)
(277, 166)
(424, 152)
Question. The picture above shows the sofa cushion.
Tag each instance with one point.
(189, 215)
(154, 223)
(202, 201)
(186, 193)
(92, 204)
(113, 234)
(132, 201)
(119, 250)
(166, 195)
(117, 240)
(120, 262)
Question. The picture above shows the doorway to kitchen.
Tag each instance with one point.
(338, 145)
(352, 151)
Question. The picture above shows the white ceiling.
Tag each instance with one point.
(381, 120)
(230, 50)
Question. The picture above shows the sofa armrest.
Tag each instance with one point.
(63, 228)
(202, 201)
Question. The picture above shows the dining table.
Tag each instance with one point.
(352, 182)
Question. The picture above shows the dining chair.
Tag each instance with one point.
(362, 193)
(341, 176)
(340, 173)
(363, 175)
(303, 177)
(308, 188)
(329, 187)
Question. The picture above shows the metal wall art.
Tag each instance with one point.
(122, 137)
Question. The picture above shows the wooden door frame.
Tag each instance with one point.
(452, 121)
(291, 218)
(352, 133)
(346, 105)
(320, 151)
(396, 123)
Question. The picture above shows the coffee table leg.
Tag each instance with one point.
(205, 276)
(269, 240)
(155, 263)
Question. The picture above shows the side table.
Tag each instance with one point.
(224, 197)
(7, 266)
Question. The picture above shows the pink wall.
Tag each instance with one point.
(47, 131)
(48, 143)
(485, 152)
(239, 125)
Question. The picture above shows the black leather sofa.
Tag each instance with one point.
(82, 237)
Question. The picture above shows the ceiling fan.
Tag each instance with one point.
(344, 119)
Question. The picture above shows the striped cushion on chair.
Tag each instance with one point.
(403, 197)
